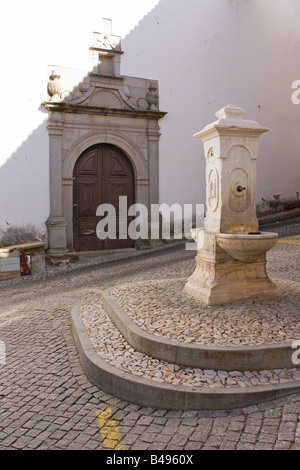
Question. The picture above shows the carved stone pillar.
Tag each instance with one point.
(56, 223)
(153, 164)
(68, 184)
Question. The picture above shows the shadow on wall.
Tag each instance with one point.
(210, 53)
(24, 190)
(24, 177)
(186, 57)
(33, 179)
(24, 180)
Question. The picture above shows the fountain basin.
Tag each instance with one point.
(247, 247)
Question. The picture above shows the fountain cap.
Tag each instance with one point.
(231, 122)
(230, 112)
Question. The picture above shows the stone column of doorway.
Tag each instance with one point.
(153, 135)
(153, 163)
(68, 184)
(56, 223)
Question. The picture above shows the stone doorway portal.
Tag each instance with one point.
(99, 111)
(102, 174)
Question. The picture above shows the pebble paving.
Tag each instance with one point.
(47, 402)
(163, 309)
(114, 349)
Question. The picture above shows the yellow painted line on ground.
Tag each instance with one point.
(289, 242)
(108, 429)
(292, 240)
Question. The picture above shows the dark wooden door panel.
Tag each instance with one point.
(88, 166)
(102, 174)
(87, 199)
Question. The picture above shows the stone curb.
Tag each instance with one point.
(149, 393)
(241, 358)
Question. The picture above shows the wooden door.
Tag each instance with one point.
(101, 174)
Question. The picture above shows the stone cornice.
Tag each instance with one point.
(75, 109)
(106, 51)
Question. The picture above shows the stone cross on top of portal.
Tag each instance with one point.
(105, 40)
(107, 51)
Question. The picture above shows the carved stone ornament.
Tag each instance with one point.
(152, 97)
(211, 153)
(213, 189)
(107, 41)
(106, 99)
(77, 97)
(55, 87)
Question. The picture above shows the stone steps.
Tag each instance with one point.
(115, 358)
(230, 358)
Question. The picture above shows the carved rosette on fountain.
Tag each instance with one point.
(231, 252)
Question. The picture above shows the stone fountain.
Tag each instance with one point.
(197, 357)
(231, 251)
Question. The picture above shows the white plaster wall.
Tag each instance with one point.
(209, 53)
(205, 53)
(33, 35)
(270, 39)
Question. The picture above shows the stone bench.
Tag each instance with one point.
(23, 259)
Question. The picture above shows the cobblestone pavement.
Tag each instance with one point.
(47, 402)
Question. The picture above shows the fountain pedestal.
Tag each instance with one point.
(231, 252)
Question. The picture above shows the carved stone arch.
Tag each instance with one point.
(246, 144)
(118, 139)
(124, 143)
(237, 150)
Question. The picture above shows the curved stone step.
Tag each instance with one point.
(253, 357)
(151, 393)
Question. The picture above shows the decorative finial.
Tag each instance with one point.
(230, 112)
(55, 87)
(152, 97)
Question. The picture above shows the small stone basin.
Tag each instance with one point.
(247, 247)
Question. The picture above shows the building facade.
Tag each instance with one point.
(74, 133)
(104, 143)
